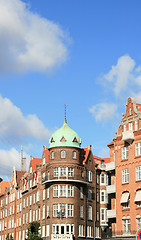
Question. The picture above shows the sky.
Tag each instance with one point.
(86, 54)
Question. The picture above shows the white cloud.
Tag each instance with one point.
(28, 41)
(103, 111)
(14, 124)
(137, 96)
(120, 74)
(9, 159)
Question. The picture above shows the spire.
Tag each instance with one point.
(65, 120)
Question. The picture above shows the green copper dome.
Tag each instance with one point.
(65, 137)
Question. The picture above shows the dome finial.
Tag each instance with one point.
(65, 120)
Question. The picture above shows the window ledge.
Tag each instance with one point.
(124, 160)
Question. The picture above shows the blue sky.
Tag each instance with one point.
(83, 53)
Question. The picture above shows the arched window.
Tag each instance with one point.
(52, 155)
(74, 154)
(63, 154)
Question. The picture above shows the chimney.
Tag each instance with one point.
(89, 147)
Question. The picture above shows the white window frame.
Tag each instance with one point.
(124, 153)
(136, 125)
(125, 175)
(138, 149)
(138, 173)
(89, 212)
(81, 211)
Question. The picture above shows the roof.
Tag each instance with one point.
(106, 160)
(111, 143)
(3, 185)
(19, 174)
(138, 106)
(35, 162)
(46, 153)
(85, 154)
(65, 137)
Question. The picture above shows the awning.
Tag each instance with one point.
(125, 197)
(138, 196)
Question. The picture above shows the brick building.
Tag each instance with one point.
(59, 190)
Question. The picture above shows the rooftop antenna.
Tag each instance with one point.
(65, 112)
(21, 157)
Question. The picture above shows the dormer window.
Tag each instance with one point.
(74, 154)
(63, 154)
(63, 139)
(52, 140)
(52, 155)
(75, 139)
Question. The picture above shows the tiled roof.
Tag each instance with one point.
(35, 162)
(19, 174)
(3, 185)
(106, 160)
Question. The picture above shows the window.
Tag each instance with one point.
(89, 231)
(27, 202)
(102, 178)
(125, 176)
(48, 192)
(55, 210)
(81, 211)
(89, 212)
(138, 219)
(52, 155)
(70, 172)
(81, 192)
(55, 172)
(138, 149)
(44, 192)
(81, 230)
(126, 225)
(47, 230)
(124, 153)
(43, 216)
(30, 169)
(130, 126)
(103, 216)
(130, 111)
(89, 194)
(47, 211)
(43, 231)
(70, 210)
(97, 197)
(44, 175)
(136, 125)
(70, 191)
(38, 196)
(62, 171)
(90, 176)
(55, 191)
(102, 196)
(62, 190)
(138, 173)
(30, 216)
(30, 200)
(63, 154)
(124, 127)
(74, 154)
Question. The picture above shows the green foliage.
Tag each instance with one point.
(33, 231)
(9, 237)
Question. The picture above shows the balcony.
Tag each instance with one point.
(68, 179)
(110, 166)
(111, 213)
(111, 189)
(61, 237)
(128, 136)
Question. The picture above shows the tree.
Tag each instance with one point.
(9, 237)
(33, 231)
